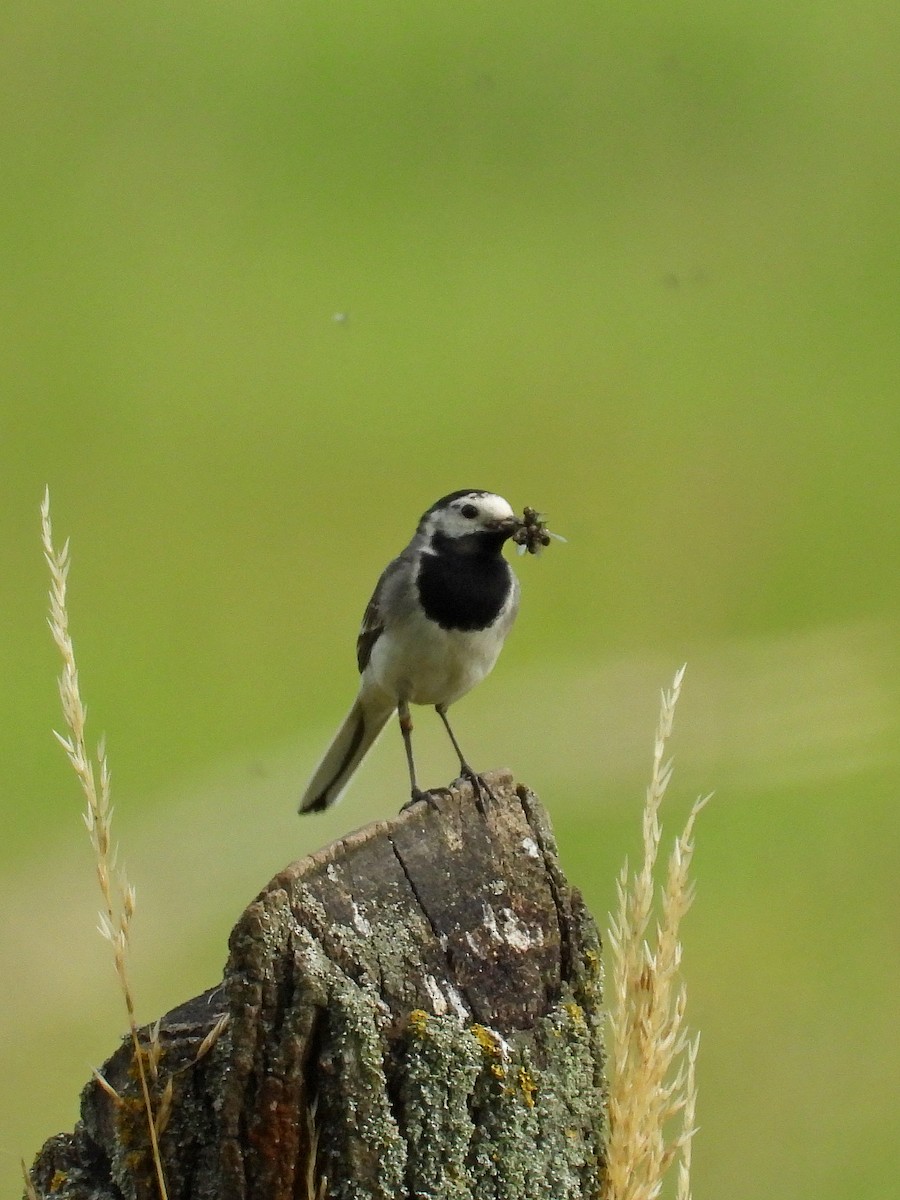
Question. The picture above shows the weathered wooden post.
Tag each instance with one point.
(412, 1012)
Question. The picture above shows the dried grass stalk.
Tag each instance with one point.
(101, 1081)
(316, 1186)
(652, 1059)
(93, 774)
(212, 1037)
(30, 1190)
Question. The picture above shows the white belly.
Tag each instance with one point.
(416, 660)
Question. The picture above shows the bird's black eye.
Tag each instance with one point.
(469, 510)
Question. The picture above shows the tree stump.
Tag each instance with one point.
(413, 1012)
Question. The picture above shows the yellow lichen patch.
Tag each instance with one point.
(491, 1046)
(527, 1086)
(418, 1021)
(488, 1041)
(576, 1013)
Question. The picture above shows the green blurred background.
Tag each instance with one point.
(276, 276)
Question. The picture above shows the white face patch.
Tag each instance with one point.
(470, 513)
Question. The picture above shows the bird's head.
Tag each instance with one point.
(469, 519)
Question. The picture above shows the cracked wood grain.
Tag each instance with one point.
(413, 1011)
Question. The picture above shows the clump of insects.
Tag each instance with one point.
(533, 534)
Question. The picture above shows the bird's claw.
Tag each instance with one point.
(480, 787)
(430, 798)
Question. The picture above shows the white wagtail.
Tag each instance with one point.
(433, 629)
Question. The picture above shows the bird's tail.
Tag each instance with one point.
(352, 742)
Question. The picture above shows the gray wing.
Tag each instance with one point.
(374, 618)
(371, 629)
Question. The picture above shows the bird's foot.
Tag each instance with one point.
(430, 797)
(479, 786)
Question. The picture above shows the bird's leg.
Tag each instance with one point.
(482, 791)
(406, 728)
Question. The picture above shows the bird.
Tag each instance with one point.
(433, 629)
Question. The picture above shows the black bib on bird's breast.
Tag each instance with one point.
(461, 589)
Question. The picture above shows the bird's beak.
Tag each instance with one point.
(507, 525)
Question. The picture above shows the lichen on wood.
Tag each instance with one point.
(413, 1011)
